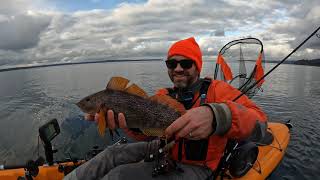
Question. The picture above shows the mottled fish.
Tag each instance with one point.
(150, 114)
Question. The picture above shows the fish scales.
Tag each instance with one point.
(140, 112)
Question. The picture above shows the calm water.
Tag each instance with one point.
(29, 98)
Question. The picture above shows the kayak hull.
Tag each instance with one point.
(268, 159)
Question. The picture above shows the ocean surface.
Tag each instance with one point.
(31, 97)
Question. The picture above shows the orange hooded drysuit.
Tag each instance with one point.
(243, 117)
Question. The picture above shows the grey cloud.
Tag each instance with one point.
(303, 20)
(117, 40)
(60, 22)
(314, 43)
(21, 31)
(148, 29)
(12, 6)
(219, 32)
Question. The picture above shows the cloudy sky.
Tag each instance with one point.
(51, 31)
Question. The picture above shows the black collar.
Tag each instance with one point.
(193, 88)
(186, 95)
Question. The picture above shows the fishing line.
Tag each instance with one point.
(265, 75)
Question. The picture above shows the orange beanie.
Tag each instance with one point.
(188, 48)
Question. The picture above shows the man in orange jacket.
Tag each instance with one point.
(216, 120)
(202, 131)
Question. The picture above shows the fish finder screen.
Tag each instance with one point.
(50, 132)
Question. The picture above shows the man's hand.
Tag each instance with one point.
(195, 124)
(111, 124)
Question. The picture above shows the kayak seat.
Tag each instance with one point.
(266, 140)
(260, 135)
(243, 158)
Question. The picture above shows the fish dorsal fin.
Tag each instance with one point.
(134, 89)
(117, 83)
(120, 84)
(168, 101)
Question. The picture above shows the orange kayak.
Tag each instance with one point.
(271, 155)
(45, 172)
(268, 159)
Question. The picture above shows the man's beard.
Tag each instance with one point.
(180, 84)
(187, 78)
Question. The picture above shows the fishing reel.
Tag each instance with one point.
(32, 169)
(163, 164)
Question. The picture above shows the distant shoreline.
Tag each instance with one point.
(74, 63)
(312, 62)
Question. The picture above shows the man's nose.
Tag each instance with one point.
(178, 68)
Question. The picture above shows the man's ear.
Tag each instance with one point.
(198, 73)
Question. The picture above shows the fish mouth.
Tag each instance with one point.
(78, 104)
(85, 109)
(91, 112)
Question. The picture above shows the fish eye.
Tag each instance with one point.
(88, 99)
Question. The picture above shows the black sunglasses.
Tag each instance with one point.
(184, 63)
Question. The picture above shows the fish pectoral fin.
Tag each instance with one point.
(102, 122)
(136, 90)
(168, 101)
(117, 83)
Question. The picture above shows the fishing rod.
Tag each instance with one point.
(226, 158)
(265, 75)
